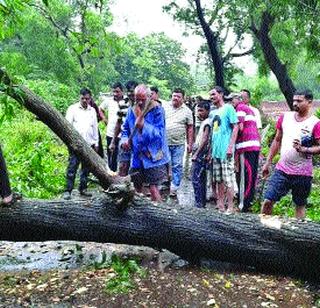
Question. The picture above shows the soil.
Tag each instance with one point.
(169, 282)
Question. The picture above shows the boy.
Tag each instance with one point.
(200, 152)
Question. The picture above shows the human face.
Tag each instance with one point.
(84, 100)
(117, 94)
(130, 95)
(245, 97)
(215, 97)
(177, 99)
(154, 95)
(301, 104)
(235, 101)
(202, 113)
(141, 98)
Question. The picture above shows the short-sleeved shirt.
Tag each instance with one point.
(112, 107)
(291, 161)
(176, 121)
(222, 119)
(249, 138)
(257, 115)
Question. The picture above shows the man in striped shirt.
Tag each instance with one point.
(247, 152)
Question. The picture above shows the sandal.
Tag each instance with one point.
(15, 197)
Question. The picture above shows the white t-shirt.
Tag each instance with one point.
(257, 116)
(112, 107)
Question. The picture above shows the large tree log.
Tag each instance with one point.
(62, 128)
(267, 243)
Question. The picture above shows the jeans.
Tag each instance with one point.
(5, 190)
(112, 156)
(72, 171)
(176, 156)
(199, 182)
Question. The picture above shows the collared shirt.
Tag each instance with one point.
(112, 107)
(85, 122)
(257, 115)
(176, 121)
(248, 139)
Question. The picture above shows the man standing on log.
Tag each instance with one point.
(179, 125)
(297, 138)
(144, 134)
(83, 118)
(110, 109)
(224, 134)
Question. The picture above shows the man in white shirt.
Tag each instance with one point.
(83, 118)
(246, 96)
(110, 109)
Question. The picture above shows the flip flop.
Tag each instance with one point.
(15, 197)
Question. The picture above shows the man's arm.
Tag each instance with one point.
(189, 132)
(117, 131)
(274, 149)
(235, 129)
(204, 142)
(307, 150)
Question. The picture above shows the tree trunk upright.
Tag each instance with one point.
(270, 54)
(212, 41)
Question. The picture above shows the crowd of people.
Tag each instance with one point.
(147, 139)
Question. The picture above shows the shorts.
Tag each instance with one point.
(280, 183)
(223, 171)
(151, 176)
(123, 156)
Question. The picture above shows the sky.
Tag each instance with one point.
(146, 16)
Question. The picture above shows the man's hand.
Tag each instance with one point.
(266, 170)
(189, 148)
(139, 122)
(297, 145)
(112, 146)
(126, 146)
(230, 151)
(194, 156)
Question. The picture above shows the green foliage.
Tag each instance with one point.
(122, 273)
(36, 159)
(57, 94)
(125, 270)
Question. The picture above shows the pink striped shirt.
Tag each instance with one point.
(248, 139)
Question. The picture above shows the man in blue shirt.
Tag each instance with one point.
(148, 145)
(224, 134)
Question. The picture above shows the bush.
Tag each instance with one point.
(57, 94)
(36, 159)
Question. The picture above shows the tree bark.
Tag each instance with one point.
(270, 54)
(212, 41)
(267, 243)
(63, 129)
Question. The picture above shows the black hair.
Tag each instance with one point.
(247, 91)
(154, 89)
(178, 90)
(131, 85)
(219, 89)
(85, 91)
(306, 93)
(205, 104)
(117, 85)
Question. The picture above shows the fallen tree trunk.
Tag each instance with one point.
(63, 129)
(267, 243)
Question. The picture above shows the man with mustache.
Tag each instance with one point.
(179, 127)
(297, 138)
